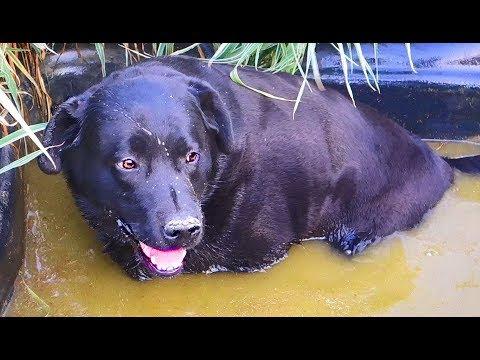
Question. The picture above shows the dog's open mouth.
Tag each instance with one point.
(164, 263)
(160, 262)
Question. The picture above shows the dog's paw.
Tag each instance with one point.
(349, 241)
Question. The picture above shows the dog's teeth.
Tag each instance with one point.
(163, 268)
(168, 268)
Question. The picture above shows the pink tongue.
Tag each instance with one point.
(164, 259)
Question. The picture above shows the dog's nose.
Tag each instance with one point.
(182, 229)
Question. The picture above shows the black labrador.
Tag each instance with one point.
(180, 169)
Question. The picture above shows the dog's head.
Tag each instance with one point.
(138, 151)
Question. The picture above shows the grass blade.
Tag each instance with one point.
(315, 66)
(24, 71)
(299, 65)
(349, 46)
(8, 105)
(299, 95)
(9, 76)
(169, 48)
(302, 87)
(236, 78)
(184, 50)
(343, 60)
(366, 67)
(100, 47)
(257, 57)
(409, 54)
(37, 298)
(42, 46)
(4, 121)
(126, 53)
(336, 47)
(146, 56)
(161, 49)
(22, 161)
(20, 134)
(222, 51)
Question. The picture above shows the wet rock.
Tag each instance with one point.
(440, 100)
(77, 67)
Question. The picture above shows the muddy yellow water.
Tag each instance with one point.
(431, 270)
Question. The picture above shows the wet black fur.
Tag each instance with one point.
(264, 181)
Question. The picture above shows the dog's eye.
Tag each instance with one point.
(192, 157)
(127, 164)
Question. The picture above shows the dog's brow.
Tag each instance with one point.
(124, 112)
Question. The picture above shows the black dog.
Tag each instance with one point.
(178, 168)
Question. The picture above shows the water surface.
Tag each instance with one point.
(433, 269)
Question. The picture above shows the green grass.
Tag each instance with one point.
(40, 302)
(288, 57)
(21, 62)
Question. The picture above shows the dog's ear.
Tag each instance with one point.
(215, 115)
(62, 132)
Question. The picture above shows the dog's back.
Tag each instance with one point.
(347, 173)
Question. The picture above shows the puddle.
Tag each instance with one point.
(431, 270)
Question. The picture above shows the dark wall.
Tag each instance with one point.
(430, 111)
(12, 226)
(77, 68)
(440, 100)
